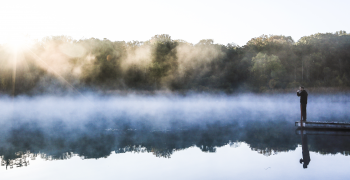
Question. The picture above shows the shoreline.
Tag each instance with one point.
(166, 92)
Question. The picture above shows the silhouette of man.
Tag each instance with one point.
(306, 154)
(303, 102)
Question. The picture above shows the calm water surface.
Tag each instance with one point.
(195, 137)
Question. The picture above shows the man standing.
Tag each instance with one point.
(303, 101)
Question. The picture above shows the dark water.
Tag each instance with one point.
(195, 137)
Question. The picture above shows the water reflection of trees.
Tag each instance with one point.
(97, 140)
(19, 159)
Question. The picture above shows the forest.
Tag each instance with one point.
(60, 64)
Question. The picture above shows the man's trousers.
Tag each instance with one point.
(302, 111)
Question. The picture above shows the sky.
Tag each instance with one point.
(226, 163)
(224, 21)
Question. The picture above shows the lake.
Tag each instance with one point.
(198, 136)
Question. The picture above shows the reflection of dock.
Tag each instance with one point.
(332, 132)
(322, 125)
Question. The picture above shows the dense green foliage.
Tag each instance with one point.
(60, 64)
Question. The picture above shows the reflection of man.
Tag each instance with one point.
(7, 163)
(303, 102)
(306, 154)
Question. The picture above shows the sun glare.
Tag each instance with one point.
(17, 42)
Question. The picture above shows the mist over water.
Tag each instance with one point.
(161, 110)
(92, 115)
(101, 126)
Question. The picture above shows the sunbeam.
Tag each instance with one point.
(17, 44)
(14, 71)
(52, 70)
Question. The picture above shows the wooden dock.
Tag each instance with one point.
(330, 132)
(322, 125)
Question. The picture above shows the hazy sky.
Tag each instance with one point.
(191, 20)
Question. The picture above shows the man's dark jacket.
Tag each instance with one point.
(303, 96)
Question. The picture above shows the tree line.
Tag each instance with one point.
(59, 64)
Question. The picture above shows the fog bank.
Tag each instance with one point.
(161, 110)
